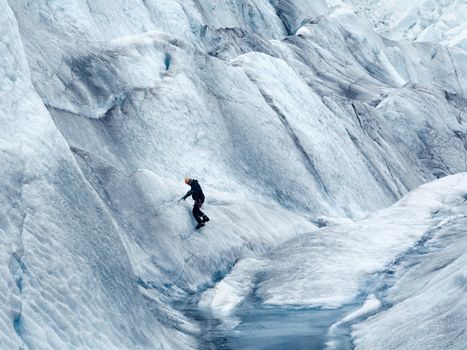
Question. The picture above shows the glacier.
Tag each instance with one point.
(303, 121)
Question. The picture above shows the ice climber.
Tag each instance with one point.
(198, 196)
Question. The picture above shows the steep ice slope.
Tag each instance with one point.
(338, 265)
(66, 279)
(330, 119)
(443, 22)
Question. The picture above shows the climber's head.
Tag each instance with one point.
(187, 180)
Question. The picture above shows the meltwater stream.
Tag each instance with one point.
(275, 328)
(271, 327)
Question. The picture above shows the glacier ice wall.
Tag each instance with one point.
(443, 22)
(65, 271)
(285, 110)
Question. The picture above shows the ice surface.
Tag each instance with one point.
(426, 306)
(66, 279)
(329, 267)
(221, 300)
(337, 258)
(290, 113)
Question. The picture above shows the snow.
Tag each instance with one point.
(292, 114)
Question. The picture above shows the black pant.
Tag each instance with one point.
(197, 213)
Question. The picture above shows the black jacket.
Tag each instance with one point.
(196, 192)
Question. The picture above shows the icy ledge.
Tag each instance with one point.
(331, 267)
